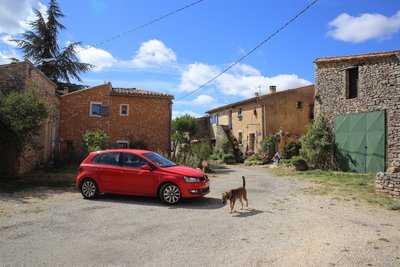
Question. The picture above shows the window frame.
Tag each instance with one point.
(91, 109)
(123, 155)
(357, 85)
(122, 142)
(127, 110)
(93, 161)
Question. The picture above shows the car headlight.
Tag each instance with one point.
(189, 179)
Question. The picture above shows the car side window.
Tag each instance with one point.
(132, 160)
(111, 158)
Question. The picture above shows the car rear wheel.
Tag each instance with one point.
(89, 189)
(170, 194)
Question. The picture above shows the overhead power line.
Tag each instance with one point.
(119, 35)
(240, 59)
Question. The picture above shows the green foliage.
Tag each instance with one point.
(228, 159)
(94, 140)
(182, 129)
(317, 145)
(40, 45)
(255, 159)
(291, 149)
(268, 146)
(21, 114)
(202, 151)
(185, 124)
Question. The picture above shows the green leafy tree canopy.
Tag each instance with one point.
(94, 140)
(21, 115)
(40, 45)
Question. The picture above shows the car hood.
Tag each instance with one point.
(184, 171)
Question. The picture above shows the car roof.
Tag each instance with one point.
(127, 150)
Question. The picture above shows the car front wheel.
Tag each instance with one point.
(89, 189)
(170, 194)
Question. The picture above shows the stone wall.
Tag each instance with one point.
(24, 76)
(379, 89)
(388, 183)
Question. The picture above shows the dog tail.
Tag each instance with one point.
(244, 182)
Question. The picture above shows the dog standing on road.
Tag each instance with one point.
(236, 194)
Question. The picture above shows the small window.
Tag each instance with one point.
(124, 110)
(311, 112)
(96, 109)
(111, 158)
(123, 144)
(255, 112)
(240, 114)
(299, 104)
(240, 138)
(352, 83)
(132, 160)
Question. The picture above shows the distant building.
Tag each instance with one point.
(286, 113)
(360, 96)
(129, 116)
(25, 76)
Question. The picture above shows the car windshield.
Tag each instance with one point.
(159, 160)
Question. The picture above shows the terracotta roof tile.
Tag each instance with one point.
(358, 57)
(137, 92)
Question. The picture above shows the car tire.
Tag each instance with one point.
(89, 189)
(170, 194)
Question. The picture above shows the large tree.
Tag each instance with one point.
(40, 45)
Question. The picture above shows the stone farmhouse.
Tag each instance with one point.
(127, 115)
(25, 76)
(285, 113)
(360, 96)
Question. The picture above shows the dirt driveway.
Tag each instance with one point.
(285, 227)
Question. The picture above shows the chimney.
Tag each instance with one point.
(256, 94)
(272, 89)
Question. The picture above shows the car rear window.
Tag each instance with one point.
(111, 158)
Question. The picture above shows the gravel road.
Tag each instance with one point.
(283, 227)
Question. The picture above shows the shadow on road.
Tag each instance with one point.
(247, 213)
(195, 203)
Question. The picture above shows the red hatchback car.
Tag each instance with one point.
(141, 173)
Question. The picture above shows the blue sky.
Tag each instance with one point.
(181, 52)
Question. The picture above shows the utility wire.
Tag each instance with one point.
(119, 35)
(240, 59)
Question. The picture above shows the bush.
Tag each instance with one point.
(94, 140)
(317, 145)
(202, 151)
(255, 159)
(291, 149)
(299, 163)
(296, 162)
(229, 159)
(21, 115)
(268, 146)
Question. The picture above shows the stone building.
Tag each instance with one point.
(128, 116)
(25, 76)
(285, 113)
(360, 97)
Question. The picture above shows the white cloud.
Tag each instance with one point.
(364, 27)
(98, 57)
(201, 100)
(242, 80)
(16, 14)
(196, 74)
(7, 39)
(153, 53)
(5, 57)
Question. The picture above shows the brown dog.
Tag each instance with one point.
(235, 194)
